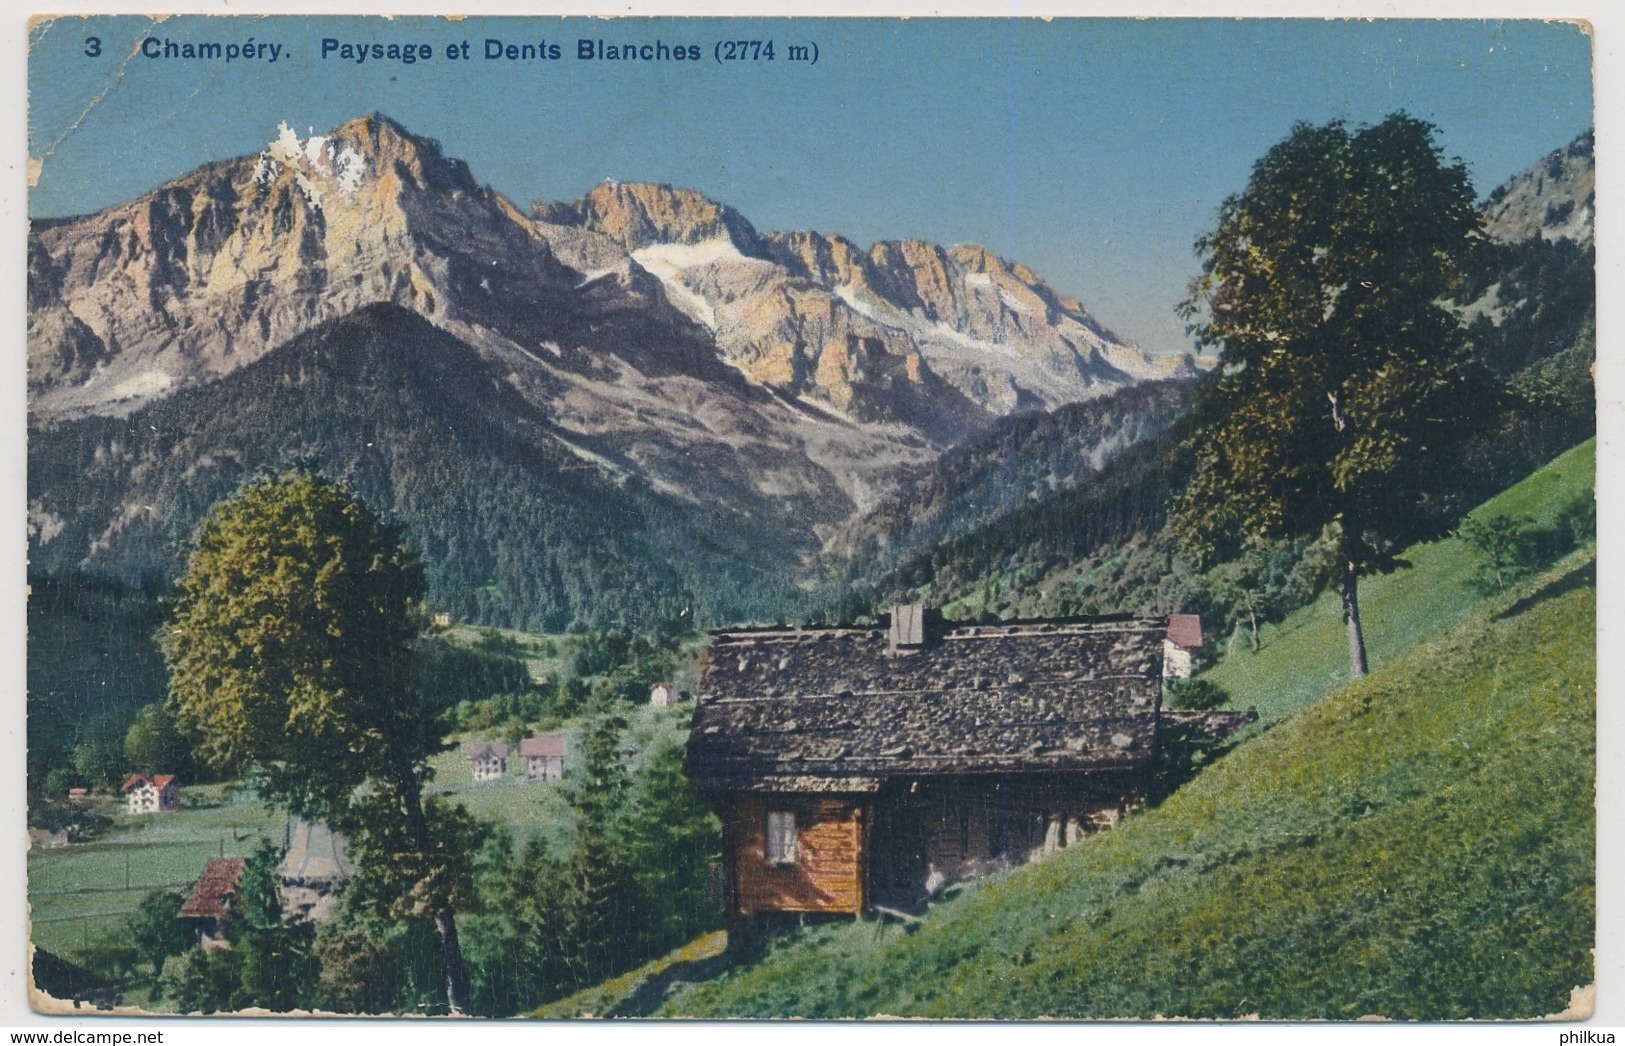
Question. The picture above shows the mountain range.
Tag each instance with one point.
(670, 389)
(631, 410)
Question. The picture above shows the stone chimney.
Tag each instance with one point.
(910, 628)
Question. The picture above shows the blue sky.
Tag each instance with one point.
(1094, 150)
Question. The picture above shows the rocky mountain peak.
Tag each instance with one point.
(388, 147)
(645, 214)
(1555, 199)
(219, 267)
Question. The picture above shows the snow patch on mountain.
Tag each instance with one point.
(316, 164)
(669, 262)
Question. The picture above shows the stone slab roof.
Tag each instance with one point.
(842, 709)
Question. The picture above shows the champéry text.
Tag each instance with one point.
(250, 50)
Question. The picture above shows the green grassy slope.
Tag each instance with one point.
(1306, 656)
(1419, 845)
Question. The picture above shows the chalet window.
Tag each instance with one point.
(781, 837)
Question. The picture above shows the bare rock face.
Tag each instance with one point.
(214, 269)
(1555, 199)
(639, 214)
(650, 326)
(791, 309)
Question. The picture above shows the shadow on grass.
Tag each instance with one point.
(1580, 575)
(647, 997)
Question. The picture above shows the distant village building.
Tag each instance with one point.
(664, 695)
(442, 620)
(488, 760)
(1179, 650)
(316, 864)
(860, 768)
(48, 839)
(152, 793)
(544, 757)
(209, 904)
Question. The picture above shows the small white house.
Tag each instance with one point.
(1179, 649)
(488, 760)
(544, 757)
(664, 695)
(152, 793)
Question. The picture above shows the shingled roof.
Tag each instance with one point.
(544, 746)
(842, 709)
(211, 897)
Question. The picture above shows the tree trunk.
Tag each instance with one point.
(1351, 618)
(445, 918)
(445, 923)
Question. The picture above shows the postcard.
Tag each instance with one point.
(753, 517)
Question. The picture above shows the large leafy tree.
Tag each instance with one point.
(291, 656)
(1342, 382)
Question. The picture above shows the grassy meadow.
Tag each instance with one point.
(1306, 656)
(1419, 844)
(79, 895)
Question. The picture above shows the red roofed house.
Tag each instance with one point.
(209, 904)
(1179, 649)
(488, 760)
(544, 757)
(150, 793)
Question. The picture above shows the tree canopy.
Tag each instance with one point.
(290, 647)
(291, 656)
(1342, 379)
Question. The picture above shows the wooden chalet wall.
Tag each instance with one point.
(929, 833)
(828, 874)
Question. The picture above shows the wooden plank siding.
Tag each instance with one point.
(828, 873)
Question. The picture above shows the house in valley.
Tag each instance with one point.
(664, 695)
(487, 760)
(1179, 649)
(860, 768)
(208, 906)
(152, 793)
(544, 757)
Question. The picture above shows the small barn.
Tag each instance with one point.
(208, 906)
(664, 695)
(856, 768)
(544, 757)
(152, 793)
(487, 760)
(1179, 649)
